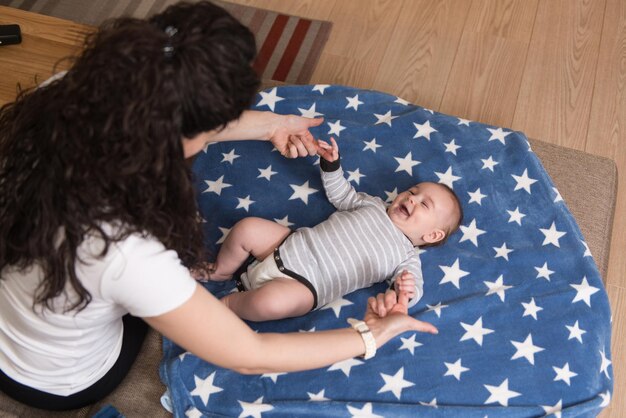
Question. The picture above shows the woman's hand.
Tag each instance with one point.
(387, 316)
(329, 152)
(291, 137)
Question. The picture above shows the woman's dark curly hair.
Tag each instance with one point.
(103, 145)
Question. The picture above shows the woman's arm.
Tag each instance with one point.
(207, 328)
(289, 133)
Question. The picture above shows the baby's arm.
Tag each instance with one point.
(339, 191)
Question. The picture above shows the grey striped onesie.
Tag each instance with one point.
(355, 247)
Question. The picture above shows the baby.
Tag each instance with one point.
(362, 243)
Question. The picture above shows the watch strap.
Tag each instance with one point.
(367, 336)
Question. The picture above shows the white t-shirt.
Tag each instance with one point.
(65, 353)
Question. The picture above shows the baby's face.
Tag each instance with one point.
(421, 209)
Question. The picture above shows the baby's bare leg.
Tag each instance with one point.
(252, 235)
(277, 299)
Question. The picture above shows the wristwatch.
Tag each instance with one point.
(368, 338)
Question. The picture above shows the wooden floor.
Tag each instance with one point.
(554, 69)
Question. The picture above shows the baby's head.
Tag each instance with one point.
(427, 213)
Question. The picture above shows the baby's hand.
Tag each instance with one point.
(405, 282)
(329, 152)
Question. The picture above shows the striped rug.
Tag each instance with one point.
(289, 46)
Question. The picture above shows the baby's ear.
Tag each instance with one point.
(434, 236)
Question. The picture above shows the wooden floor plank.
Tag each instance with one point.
(420, 52)
(488, 67)
(355, 52)
(313, 9)
(607, 124)
(557, 86)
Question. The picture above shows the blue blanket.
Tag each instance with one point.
(523, 317)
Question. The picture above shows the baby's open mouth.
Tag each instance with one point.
(405, 211)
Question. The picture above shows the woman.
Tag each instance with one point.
(99, 216)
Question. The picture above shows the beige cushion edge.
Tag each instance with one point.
(568, 168)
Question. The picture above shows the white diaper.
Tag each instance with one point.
(261, 272)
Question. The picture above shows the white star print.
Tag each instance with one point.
(606, 399)
(409, 344)
(317, 397)
(564, 374)
(345, 366)
(501, 394)
(365, 412)
(436, 308)
(475, 331)
(254, 409)
(489, 163)
(497, 287)
(272, 376)
(193, 412)
(558, 197)
(353, 102)
(372, 145)
(587, 250)
(462, 121)
(244, 203)
(531, 309)
(455, 369)
(503, 252)
(395, 384)
(452, 147)
(552, 236)
(225, 232)
(432, 403)
(516, 216)
(321, 87)
(335, 128)
(355, 176)
(498, 134)
(310, 113)
(401, 101)
(476, 196)
(447, 178)
(604, 366)
(302, 192)
(266, 173)
(407, 163)
(269, 99)
(336, 305)
(584, 291)
(423, 129)
(526, 349)
(230, 157)
(216, 186)
(205, 388)
(391, 195)
(284, 221)
(575, 332)
(471, 232)
(523, 181)
(554, 409)
(386, 118)
(544, 271)
(452, 274)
